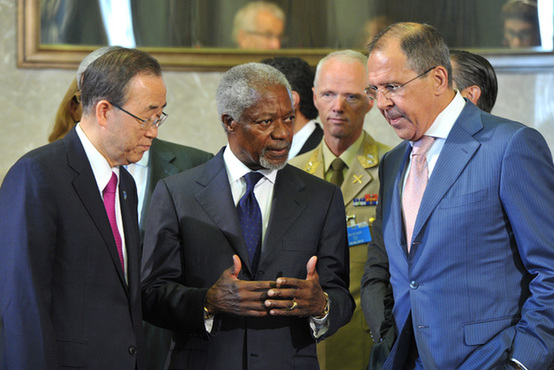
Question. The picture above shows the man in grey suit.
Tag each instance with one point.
(468, 250)
(247, 285)
(69, 234)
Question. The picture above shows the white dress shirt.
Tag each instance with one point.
(139, 171)
(300, 138)
(264, 195)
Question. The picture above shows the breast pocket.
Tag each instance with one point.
(464, 200)
(306, 244)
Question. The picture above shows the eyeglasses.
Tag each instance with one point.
(268, 36)
(390, 90)
(148, 123)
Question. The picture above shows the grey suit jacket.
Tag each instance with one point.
(191, 235)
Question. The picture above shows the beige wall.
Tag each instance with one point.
(30, 98)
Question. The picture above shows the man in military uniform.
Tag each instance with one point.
(349, 157)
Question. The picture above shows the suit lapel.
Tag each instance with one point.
(87, 190)
(128, 202)
(459, 148)
(313, 141)
(399, 163)
(159, 167)
(286, 206)
(217, 201)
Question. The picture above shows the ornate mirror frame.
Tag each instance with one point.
(33, 54)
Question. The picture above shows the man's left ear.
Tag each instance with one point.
(295, 99)
(473, 93)
(440, 77)
(228, 122)
(103, 109)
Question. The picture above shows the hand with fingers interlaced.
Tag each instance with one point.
(297, 297)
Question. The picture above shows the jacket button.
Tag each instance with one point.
(132, 350)
(414, 284)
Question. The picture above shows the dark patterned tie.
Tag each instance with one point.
(250, 217)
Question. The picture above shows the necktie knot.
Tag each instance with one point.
(422, 145)
(338, 164)
(252, 179)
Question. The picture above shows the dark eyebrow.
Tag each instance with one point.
(152, 107)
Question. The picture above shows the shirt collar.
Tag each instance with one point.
(144, 160)
(348, 156)
(445, 120)
(236, 169)
(100, 167)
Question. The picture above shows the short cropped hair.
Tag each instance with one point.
(348, 56)
(472, 70)
(109, 75)
(240, 88)
(422, 44)
(301, 78)
(246, 16)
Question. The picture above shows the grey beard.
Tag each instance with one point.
(271, 166)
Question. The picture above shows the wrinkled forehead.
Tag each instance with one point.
(387, 63)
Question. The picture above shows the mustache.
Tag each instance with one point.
(280, 145)
(393, 113)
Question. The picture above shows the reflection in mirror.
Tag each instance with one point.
(307, 24)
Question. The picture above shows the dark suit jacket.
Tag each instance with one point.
(165, 159)
(313, 141)
(477, 284)
(63, 296)
(191, 234)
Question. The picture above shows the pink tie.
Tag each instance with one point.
(109, 204)
(415, 185)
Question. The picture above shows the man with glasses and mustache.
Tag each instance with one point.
(246, 257)
(70, 244)
(464, 226)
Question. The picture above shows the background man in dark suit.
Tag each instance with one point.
(230, 306)
(162, 160)
(70, 265)
(475, 77)
(307, 133)
(473, 283)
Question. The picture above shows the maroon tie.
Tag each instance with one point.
(415, 185)
(109, 204)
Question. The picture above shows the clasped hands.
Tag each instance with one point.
(282, 297)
